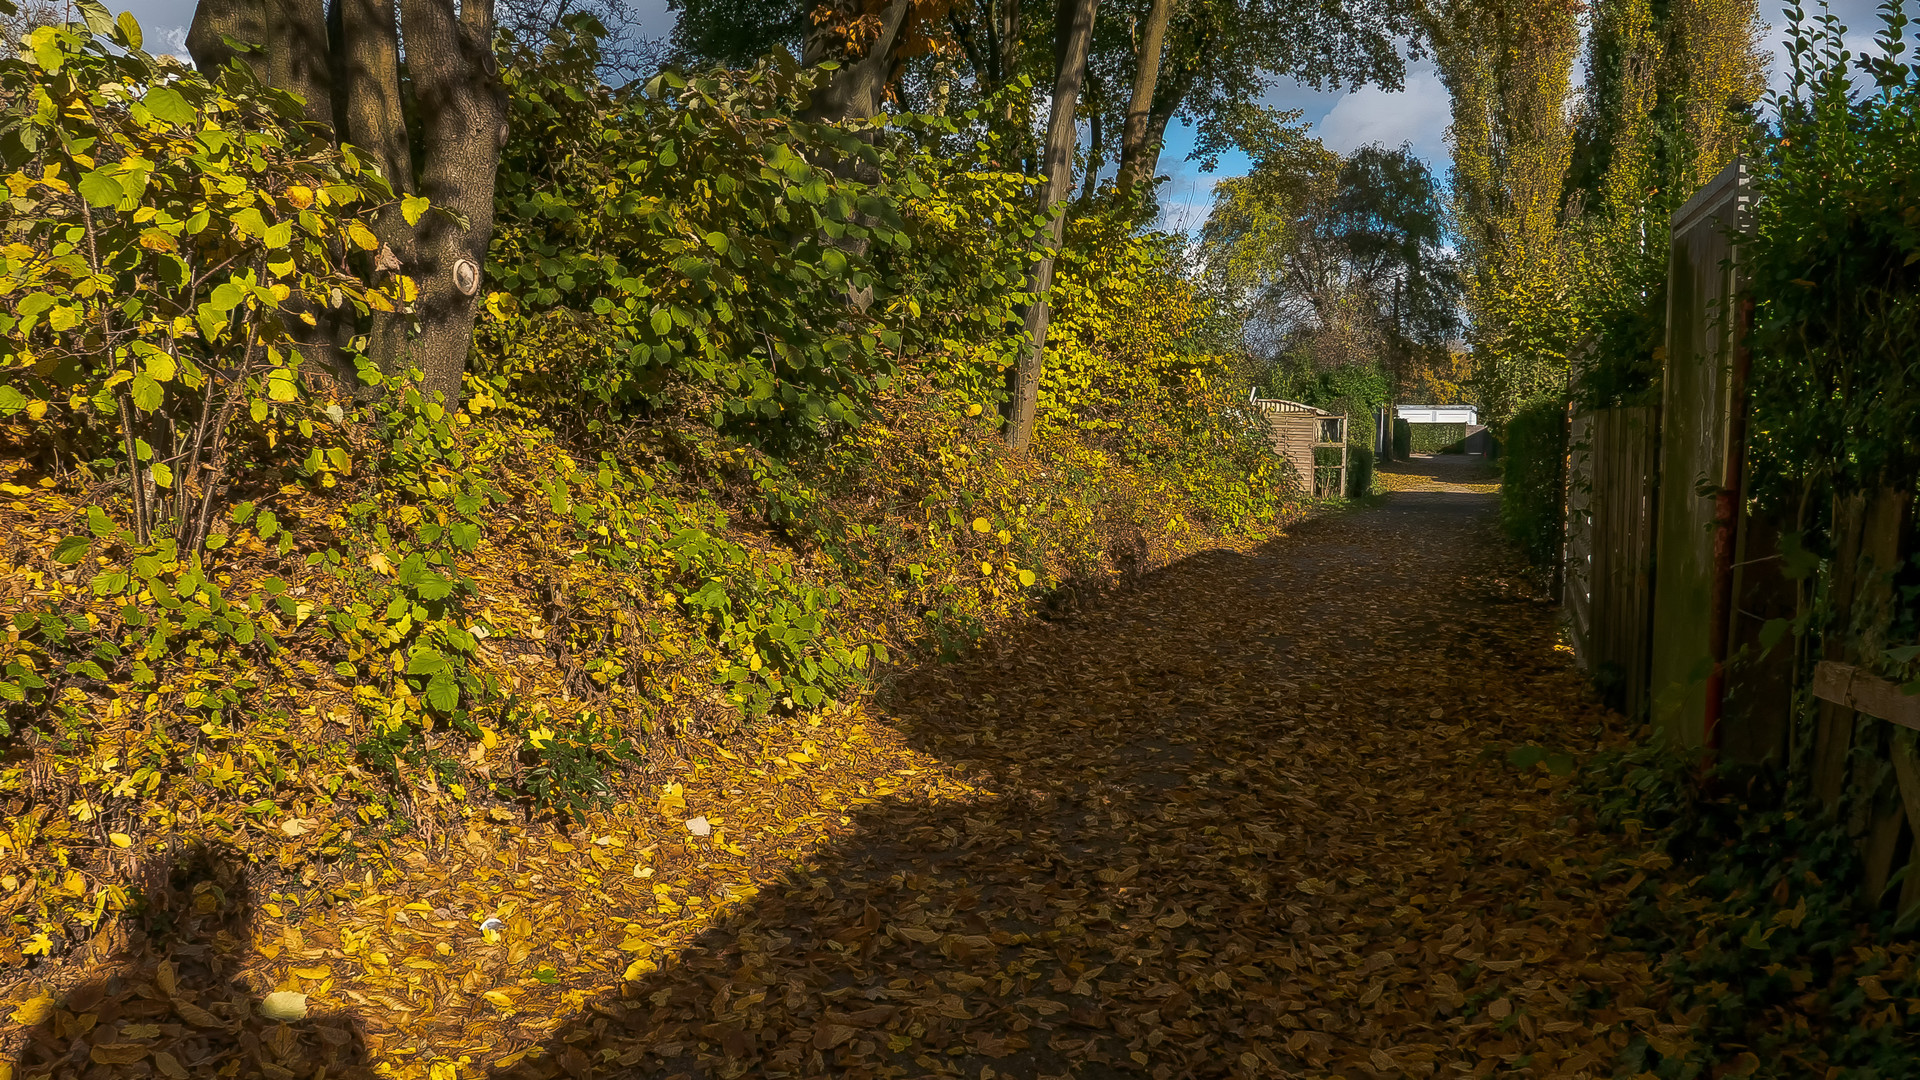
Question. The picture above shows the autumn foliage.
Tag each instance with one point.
(728, 455)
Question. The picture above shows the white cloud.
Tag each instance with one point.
(1418, 115)
(170, 41)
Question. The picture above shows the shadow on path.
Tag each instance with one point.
(1250, 820)
(171, 1003)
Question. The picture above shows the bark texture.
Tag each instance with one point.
(1136, 162)
(290, 39)
(855, 90)
(462, 129)
(372, 118)
(1075, 36)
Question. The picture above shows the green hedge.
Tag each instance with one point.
(1533, 478)
(1402, 439)
(1435, 438)
(1359, 470)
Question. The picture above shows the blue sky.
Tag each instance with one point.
(1344, 120)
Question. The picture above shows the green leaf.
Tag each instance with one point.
(1773, 631)
(250, 222)
(169, 105)
(426, 661)
(97, 17)
(129, 26)
(147, 394)
(71, 550)
(413, 208)
(160, 366)
(432, 586)
(443, 693)
(99, 189)
(718, 242)
(226, 296)
(281, 387)
(1525, 757)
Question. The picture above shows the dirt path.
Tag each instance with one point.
(1253, 820)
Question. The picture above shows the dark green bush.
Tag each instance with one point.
(1402, 439)
(1359, 470)
(1533, 478)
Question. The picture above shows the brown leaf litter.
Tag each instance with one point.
(1253, 819)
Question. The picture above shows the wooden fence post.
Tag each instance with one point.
(1869, 535)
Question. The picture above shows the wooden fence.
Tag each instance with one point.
(1609, 548)
(1676, 593)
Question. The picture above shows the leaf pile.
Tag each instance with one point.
(1257, 818)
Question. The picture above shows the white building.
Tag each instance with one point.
(1439, 414)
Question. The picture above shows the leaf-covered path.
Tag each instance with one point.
(1253, 818)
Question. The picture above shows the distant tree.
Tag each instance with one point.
(26, 16)
(1336, 262)
(1206, 61)
(735, 33)
(626, 54)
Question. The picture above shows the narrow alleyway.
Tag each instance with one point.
(1254, 819)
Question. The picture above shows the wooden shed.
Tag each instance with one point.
(1297, 430)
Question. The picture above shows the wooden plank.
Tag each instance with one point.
(1906, 772)
(1850, 688)
(1883, 839)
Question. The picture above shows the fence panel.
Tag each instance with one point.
(1610, 534)
(1695, 414)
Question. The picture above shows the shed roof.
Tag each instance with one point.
(1282, 405)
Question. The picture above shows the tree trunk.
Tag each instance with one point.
(854, 91)
(462, 129)
(1075, 31)
(367, 80)
(214, 21)
(1146, 79)
(1096, 157)
(291, 36)
(1147, 163)
(298, 53)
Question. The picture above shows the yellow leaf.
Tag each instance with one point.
(638, 968)
(284, 1005)
(498, 999)
(982, 525)
(300, 196)
(33, 1010)
(120, 839)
